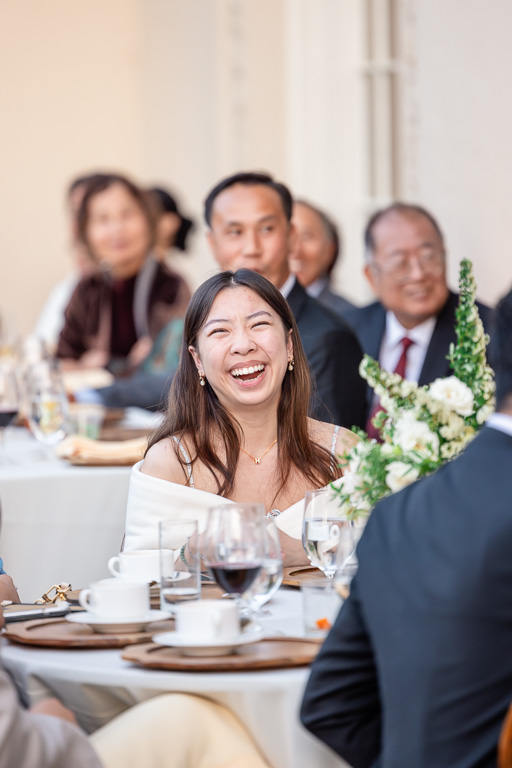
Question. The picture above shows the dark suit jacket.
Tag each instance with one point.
(369, 323)
(333, 301)
(334, 355)
(417, 670)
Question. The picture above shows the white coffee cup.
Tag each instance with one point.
(141, 565)
(214, 621)
(116, 599)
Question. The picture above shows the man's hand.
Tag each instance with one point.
(54, 708)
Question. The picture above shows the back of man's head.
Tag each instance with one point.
(248, 179)
(500, 352)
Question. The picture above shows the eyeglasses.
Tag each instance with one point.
(399, 266)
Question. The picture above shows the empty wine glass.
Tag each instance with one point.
(326, 534)
(234, 546)
(9, 404)
(269, 579)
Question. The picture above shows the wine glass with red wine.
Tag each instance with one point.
(9, 404)
(234, 545)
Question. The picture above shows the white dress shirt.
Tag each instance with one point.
(317, 286)
(287, 286)
(391, 348)
(500, 421)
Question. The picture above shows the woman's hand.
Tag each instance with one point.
(53, 708)
(93, 358)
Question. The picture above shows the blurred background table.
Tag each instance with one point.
(59, 522)
(98, 684)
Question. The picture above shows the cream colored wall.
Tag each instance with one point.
(213, 101)
(464, 117)
(71, 83)
(182, 93)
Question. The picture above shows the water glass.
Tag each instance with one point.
(180, 575)
(346, 564)
(321, 603)
(269, 579)
(326, 535)
(9, 404)
(46, 403)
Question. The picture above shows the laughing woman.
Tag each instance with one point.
(237, 426)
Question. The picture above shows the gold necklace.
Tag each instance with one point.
(257, 459)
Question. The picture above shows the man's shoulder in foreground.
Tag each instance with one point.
(422, 633)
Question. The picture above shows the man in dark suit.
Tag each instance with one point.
(315, 253)
(249, 219)
(406, 267)
(417, 670)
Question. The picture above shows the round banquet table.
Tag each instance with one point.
(59, 522)
(98, 684)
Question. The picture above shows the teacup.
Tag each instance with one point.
(141, 565)
(116, 599)
(214, 621)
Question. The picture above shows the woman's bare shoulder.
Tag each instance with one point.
(323, 433)
(162, 461)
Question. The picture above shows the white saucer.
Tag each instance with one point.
(114, 626)
(252, 633)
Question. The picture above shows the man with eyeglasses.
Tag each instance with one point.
(410, 327)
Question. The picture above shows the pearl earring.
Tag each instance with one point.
(202, 380)
(291, 363)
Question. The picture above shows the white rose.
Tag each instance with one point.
(399, 474)
(413, 435)
(454, 393)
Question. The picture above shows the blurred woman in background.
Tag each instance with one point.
(115, 314)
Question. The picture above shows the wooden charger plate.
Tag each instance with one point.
(272, 653)
(59, 633)
(295, 576)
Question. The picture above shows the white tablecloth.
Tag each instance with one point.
(59, 522)
(97, 685)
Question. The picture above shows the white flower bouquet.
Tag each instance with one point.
(421, 427)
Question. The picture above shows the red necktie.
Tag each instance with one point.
(400, 368)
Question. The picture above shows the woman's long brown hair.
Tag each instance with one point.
(195, 412)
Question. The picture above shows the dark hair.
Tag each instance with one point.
(331, 230)
(195, 412)
(249, 179)
(167, 204)
(99, 183)
(500, 349)
(80, 181)
(402, 208)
